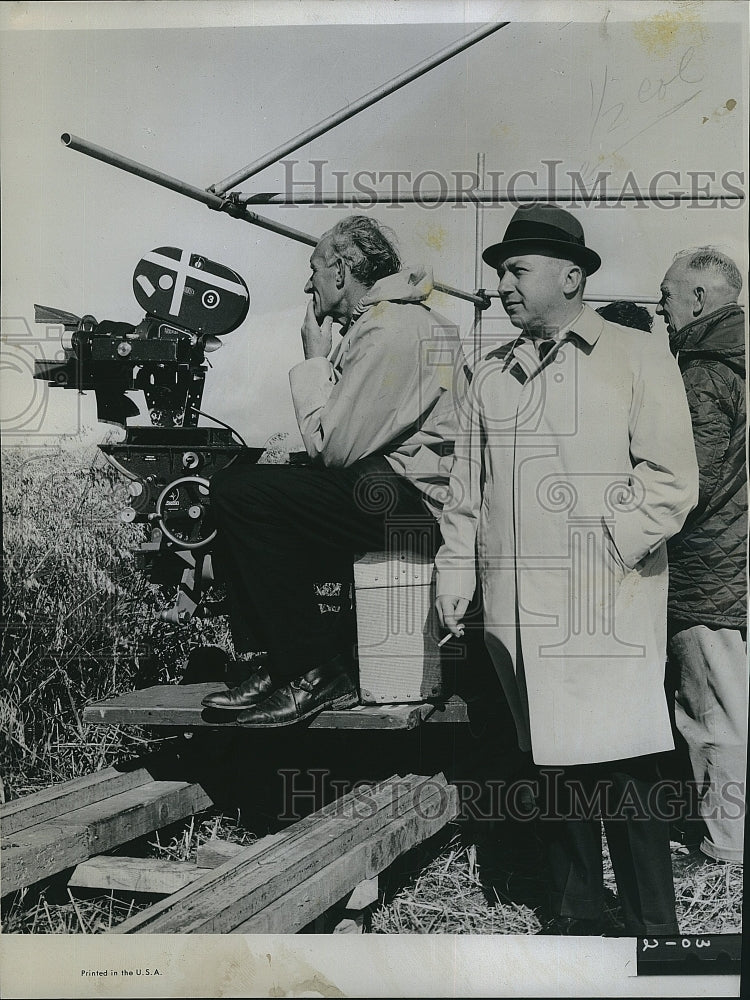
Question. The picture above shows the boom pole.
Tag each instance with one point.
(218, 203)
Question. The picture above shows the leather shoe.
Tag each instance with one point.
(250, 692)
(329, 686)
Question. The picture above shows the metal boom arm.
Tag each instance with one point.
(218, 203)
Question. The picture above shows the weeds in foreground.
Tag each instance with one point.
(79, 622)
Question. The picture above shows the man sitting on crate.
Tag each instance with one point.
(378, 421)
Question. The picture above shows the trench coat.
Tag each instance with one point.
(569, 476)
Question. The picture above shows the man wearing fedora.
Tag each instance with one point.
(574, 465)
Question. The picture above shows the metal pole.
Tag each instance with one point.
(647, 300)
(478, 241)
(140, 170)
(472, 197)
(181, 187)
(479, 301)
(356, 106)
(215, 202)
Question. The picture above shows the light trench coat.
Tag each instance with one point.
(564, 488)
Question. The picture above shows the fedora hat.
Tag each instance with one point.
(536, 228)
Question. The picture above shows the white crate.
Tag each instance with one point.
(397, 628)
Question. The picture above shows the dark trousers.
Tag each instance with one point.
(283, 530)
(625, 795)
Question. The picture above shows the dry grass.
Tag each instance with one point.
(457, 894)
(78, 624)
(709, 896)
(450, 896)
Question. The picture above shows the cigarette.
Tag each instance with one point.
(449, 636)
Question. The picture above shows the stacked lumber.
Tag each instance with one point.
(61, 826)
(281, 886)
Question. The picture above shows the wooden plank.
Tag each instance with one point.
(324, 888)
(364, 894)
(163, 876)
(40, 851)
(19, 814)
(157, 875)
(50, 847)
(180, 705)
(373, 717)
(354, 924)
(259, 849)
(215, 852)
(453, 710)
(220, 901)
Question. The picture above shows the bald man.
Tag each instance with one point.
(707, 619)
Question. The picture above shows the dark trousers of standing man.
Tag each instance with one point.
(626, 796)
(283, 530)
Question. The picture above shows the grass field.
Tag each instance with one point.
(79, 623)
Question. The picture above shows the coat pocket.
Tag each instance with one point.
(612, 553)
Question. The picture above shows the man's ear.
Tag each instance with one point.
(572, 280)
(340, 273)
(699, 300)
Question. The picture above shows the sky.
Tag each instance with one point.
(662, 90)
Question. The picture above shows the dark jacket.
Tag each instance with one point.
(707, 558)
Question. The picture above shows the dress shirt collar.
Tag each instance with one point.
(587, 325)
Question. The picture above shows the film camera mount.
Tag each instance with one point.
(190, 302)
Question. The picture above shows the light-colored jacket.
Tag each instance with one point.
(387, 388)
(568, 485)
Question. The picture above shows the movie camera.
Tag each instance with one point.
(190, 302)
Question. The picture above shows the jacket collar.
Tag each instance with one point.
(410, 284)
(698, 335)
(588, 326)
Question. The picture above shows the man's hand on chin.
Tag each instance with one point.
(316, 337)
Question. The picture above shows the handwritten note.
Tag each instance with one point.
(623, 109)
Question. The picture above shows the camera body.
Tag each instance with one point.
(190, 303)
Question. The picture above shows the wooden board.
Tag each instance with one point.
(180, 705)
(163, 876)
(326, 887)
(216, 851)
(19, 814)
(50, 847)
(243, 887)
(454, 710)
(156, 875)
(227, 867)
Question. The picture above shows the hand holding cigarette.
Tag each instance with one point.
(449, 636)
(450, 612)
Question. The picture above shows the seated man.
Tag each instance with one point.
(378, 421)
